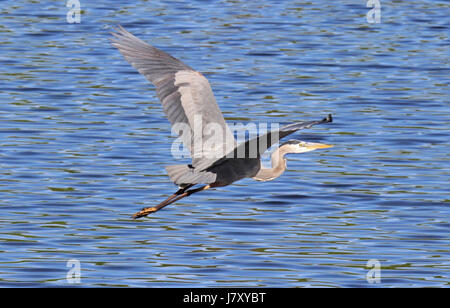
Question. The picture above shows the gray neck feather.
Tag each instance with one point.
(278, 166)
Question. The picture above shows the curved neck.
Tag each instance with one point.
(278, 166)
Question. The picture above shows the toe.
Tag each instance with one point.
(144, 212)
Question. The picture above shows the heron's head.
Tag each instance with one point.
(297, 146)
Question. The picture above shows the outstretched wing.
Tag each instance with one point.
(186, 96)
(256, 147)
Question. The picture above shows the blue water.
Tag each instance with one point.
(84, 142)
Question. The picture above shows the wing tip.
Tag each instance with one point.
(120, 32)
(117, 33)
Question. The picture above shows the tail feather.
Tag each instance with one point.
(185, 174)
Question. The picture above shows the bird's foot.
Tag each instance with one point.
(144, 212)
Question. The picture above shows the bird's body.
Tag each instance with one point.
(187, 99)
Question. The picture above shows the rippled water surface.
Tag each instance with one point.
(84, 142)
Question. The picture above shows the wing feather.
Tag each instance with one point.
(186, 95)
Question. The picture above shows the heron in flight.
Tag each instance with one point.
(187, 97)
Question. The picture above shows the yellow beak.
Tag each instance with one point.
(318, 146)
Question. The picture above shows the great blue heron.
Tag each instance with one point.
(186, 94)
